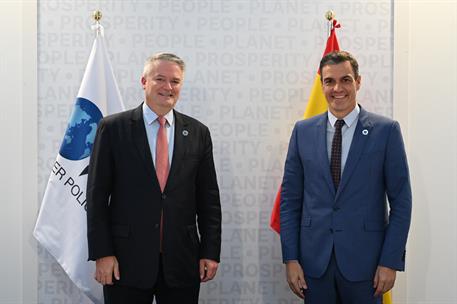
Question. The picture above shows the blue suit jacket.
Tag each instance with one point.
(354, 220)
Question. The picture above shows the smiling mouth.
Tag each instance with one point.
(337, 97)
(166, 94)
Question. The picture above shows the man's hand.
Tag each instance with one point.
(384, 280)
(296, 278)
(104, 269)
(208, 269)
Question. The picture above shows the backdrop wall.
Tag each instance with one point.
(426, 105)
(18, 161)
(250, 66)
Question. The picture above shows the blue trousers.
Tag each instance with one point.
(334, 288)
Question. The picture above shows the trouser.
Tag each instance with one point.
(161, 292)
(334, 288)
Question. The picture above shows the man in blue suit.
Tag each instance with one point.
(340, 241)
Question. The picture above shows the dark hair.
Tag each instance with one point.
(339, 57)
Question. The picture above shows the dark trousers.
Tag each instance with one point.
(161, 292)
(333, 288)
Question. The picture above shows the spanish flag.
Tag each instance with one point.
(317, 104)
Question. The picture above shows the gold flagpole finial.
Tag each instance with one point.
(329, 15)
(97, 15)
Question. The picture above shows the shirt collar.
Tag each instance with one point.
(150, 116)
(348, 119)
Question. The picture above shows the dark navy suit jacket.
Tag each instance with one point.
(355, 220)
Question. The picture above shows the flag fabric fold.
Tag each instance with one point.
(61, 225)
(317, 104)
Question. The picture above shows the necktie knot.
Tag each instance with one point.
(162, 121)
(339, 124)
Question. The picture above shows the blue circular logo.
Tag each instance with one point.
(79, 137)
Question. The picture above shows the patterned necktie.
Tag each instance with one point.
(335, 160)
(162, 165)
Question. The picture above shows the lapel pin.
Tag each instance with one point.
(185, 132)
(365, 132)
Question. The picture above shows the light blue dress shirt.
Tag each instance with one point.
(152, 125)
(347, 133)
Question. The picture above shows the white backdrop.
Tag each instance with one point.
(426, 106)
(250, 65)
(425, 74)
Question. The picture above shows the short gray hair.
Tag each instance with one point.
(165, 57)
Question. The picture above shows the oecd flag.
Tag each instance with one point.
(61, 224)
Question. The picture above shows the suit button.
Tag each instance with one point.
(164, 196)
(156, 226)
(331, 230)
(336, 208)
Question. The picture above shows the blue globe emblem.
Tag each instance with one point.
(79, 137)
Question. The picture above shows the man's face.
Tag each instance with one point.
(162, 86)
(340, 88)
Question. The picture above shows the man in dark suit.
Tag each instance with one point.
(340, 242)
(153, 206)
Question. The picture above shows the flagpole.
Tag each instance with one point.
(329, 15)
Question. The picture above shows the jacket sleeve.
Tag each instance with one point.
(291, 201)
(99, 186)
(209, 215)
(398, 189)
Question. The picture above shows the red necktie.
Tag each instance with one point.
(162, 163)
(162, 154)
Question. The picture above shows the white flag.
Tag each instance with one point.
(61, 225)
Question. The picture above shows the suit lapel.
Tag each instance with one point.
(361, 136)
(182, 133)
(140, 139)
(322, 154)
